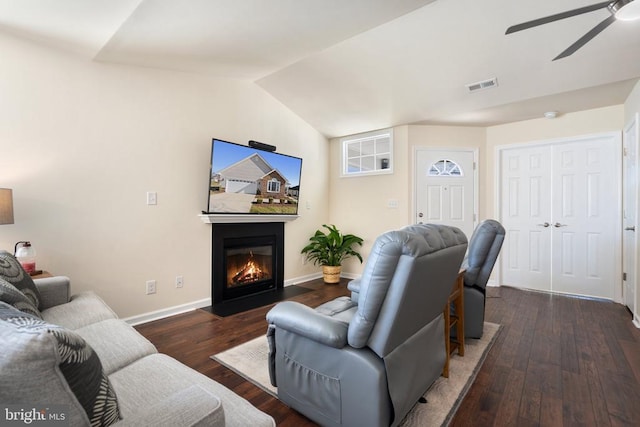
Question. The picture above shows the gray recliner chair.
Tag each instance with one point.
(484, 248)
(367, 363)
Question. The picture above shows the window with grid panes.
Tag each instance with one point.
(368, 154)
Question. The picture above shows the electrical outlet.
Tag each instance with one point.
(179, 281)
(151, 287)
(152, 198)
(304, 260)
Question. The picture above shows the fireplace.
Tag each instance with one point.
(247, 260)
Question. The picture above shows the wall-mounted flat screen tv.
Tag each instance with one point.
(246, 180)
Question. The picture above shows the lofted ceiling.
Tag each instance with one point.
(348, 66)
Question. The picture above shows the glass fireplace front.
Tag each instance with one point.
(249, 265)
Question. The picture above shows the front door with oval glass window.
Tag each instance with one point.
(445, 188)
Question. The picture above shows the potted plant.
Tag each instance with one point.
(330, 249)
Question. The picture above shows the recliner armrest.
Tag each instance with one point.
(53, 291)
(354, 287)
(305, 321)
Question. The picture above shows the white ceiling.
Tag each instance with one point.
(348, 66)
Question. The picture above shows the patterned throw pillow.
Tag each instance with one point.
(11, 295)
(79, 365)
(12, 272)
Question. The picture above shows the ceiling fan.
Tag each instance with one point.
(626, 10)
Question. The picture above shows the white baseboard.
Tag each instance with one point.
(167, 312)
(183, 308)
(636, 322)
(493, 283)
(350, 275)
(303, 279)
(317, 275)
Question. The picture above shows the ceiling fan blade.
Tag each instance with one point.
(557, 17)
(586, 38)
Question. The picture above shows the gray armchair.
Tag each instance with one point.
(484, 248)
(367, 363)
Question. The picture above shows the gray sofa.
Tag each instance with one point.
(367, 363)
(80, 359)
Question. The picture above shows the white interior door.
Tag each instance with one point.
(560, 205)
(585, 214)
(630, 216)
(526, 216)
(445, 188)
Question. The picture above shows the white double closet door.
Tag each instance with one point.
(560, 203)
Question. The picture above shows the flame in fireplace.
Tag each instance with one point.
(248, 273)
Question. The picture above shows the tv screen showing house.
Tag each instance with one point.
(245, 180)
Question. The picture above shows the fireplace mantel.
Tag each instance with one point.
(234, 219)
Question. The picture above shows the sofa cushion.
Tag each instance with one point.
(116, 343)
(83, 309)
(193, 406)
(155, 378)
(12, 296)
(12, 272)
(47, 364)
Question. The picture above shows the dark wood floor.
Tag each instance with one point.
(558, 361)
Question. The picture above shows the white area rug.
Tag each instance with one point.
(443, 398)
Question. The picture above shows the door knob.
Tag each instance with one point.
(558, 225)
(632, 228)
(545, 225)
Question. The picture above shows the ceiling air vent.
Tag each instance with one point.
(485, 84)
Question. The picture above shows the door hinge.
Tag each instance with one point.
(624, 276)
(624, 151)
(474, 165)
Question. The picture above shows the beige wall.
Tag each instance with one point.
(359, 205)
(82, 143)
(567, 125)
(632, 105)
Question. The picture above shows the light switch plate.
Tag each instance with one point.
(152, 198)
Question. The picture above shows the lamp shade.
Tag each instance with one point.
(6, 206)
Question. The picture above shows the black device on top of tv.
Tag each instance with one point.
(261, 145)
